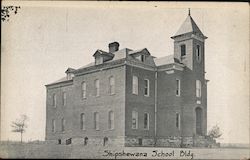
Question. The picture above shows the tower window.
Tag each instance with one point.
(183, 50)
(178, 87)
(198, 53)
(198, 88)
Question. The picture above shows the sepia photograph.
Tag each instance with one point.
(124, 80)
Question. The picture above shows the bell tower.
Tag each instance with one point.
(189, 45)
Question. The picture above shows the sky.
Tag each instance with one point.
(45, 38)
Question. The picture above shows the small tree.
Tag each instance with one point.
(215, 132)
(20, 125)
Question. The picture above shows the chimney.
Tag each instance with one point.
(113, 47)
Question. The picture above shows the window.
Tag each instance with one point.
(64, 98)
(198, 88)
(146, 87)
(198, 54)
(177, 122)
(97, 88)
(178, 87)
(111, 120)
(183, 50)
(146, 121)
(54, 100)
(135, 85)
(63, 124)
(105, 140)
(142, 58)
(83, 90)
(96, 121)
(53, 125)
(134, 119)
(86, 141)
(111, 85)
(83, 127)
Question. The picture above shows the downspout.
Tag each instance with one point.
(156, 78)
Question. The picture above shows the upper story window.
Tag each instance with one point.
(198, 53)
(134, 120)
(82, 121)
(64, 98)
(142, 58)
(111, 120)
(183, 50)
(198, 88)
(63, 124)
(97, 87)
(146, 121)
(54, 100)
(146, 87)
(53, 125)
(178, 87)
(178, 121)
(83, 90)
(135, 85)
(111, 85)
(96, 121)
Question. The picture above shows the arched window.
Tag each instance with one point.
(96, 121)
(135, 85)
(83, 90)
(63, 124)
(111, 120)
(82, 121)
(54, 100)
(111, 85)
(53, 125)
(198, 88)
(134, 120)
(97, 88)
(64, 99)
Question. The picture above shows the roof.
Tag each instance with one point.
(100, 52)
(69, 70)
(59, 80)
(188, 26)
(164, 60)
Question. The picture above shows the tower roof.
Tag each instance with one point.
(188, 26)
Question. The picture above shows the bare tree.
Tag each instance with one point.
(215, 132)
(20, 125)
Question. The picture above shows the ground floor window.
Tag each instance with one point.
(86, 141)
(105, 140)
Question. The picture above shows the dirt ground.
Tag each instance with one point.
(18, 150)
